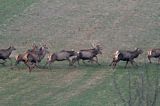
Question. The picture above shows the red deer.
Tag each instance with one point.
(125, 55)
(60, 56)
(90, 54)
(153, 53)
(31, 59)
(22, 58)
(5, 54)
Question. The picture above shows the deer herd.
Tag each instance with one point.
(32, 57)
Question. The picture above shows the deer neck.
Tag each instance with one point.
(42, 54)
(136, 54)
(8, 51)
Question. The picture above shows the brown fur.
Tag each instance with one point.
(125, 55)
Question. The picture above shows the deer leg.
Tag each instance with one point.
(149, 58)
(111, 63)
(37, 64)
(29, 67)
(17, 62)
(83, 62)
(70, 62)
(135, 63)
(78, 62)
(159, 60)
(132, 63)
(34, 65)
(90, 61)
(114, 64)
(49, 64)
(97, 60)
(74, 62)
(3, 63)
(126, 64)
(46, 64)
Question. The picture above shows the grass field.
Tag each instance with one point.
(67, 24)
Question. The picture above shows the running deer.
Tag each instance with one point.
(153, 53)
(60, 56)
(31, 59)
(5, 54)
(125, 55)
(90, 54)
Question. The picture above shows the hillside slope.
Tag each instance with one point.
(66, 23)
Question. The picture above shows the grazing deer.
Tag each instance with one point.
(90, 54)
(153, 53)
(5, 54)
(60, 56)
(127, 56)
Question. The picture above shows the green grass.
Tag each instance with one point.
(11, 8)
(107, 94)
(89, 85)
(42, 87)
(67, 24)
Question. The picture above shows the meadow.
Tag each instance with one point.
(72, 24)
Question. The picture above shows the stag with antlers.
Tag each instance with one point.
(90, 54)
(32, 57)
(125, 55)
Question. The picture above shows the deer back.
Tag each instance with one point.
(86, 53)
(62, 55)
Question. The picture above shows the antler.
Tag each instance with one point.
(42, 43)
(98, 44)
(95, 43)
(34, 43)
(92, 43)
(48, 43)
